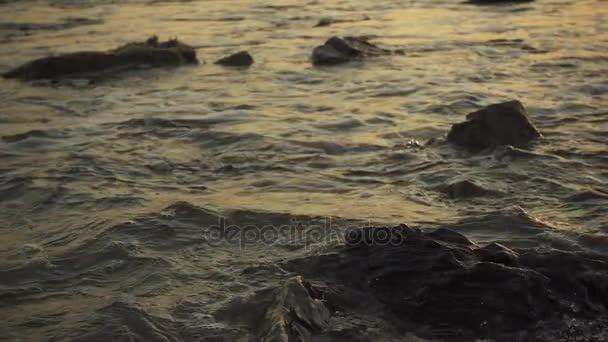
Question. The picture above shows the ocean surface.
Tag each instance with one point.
(109, 188)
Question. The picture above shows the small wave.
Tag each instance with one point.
(35, 134)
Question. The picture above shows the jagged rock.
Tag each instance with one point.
(440, 285)
(499, 124)
(341, 50)
(295, 315)
(242, 58)
(292, 312)
(150, 53)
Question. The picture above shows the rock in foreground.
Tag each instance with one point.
(150, 53)
(440, 285)
(241, 59)
(342, 50)
(295, 314)
(499, 124)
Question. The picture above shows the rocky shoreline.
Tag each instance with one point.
(436, 285)
(327, 121)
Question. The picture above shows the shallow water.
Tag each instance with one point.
(277, 140)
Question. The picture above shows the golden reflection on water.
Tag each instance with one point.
(281, 42)
(310, 141)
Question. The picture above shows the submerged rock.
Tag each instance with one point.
(150, 53)
(440, 285)
(242, 58)
(466, 189)
(499, 124)
(327, 21)
(341, 50)
(497, 2)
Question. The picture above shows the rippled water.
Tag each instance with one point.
(106, 187)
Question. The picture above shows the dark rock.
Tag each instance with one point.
(341, 50)
(466, 189)
(295, 315)
(377, 235)
(150, 53)
(497, 2)
(326, 21)
(498, 124)
(510, 219)
(497, 253)
(242, 58)
(440, 285)
(292, 312)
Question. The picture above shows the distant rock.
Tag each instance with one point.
(241, 59)
(338, 50)
(499, 124)
(497, 2)
(327, 21)
(150, 53)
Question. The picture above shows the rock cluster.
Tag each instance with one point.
(441, 285)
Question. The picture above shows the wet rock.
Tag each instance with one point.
(292, 312)
(497, 253)
(466, 189)
(327, 21)
(377, 235)
(440, 285)
(161, 166)
(513, 219)
(242, 58)
(499, 124)
(342, 50)
(150, 53)
(497, 2)
(296, 315)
